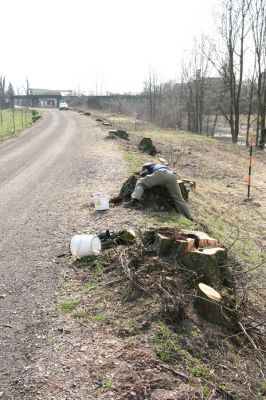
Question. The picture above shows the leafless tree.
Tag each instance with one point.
(2, 93)
(228, 58)
(27, 91)
(195, 74)
(258, 18)
(153, 89)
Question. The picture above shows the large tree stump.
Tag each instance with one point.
(119, 133)
(172, 247)
(196, 251)
(147, 146)
(157, 197)
(208, 304)
(210, 264)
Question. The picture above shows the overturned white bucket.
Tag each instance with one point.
(85, 245)
(101, 201)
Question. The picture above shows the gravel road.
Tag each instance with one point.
(48, 173)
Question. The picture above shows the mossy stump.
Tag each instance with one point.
(147, 146)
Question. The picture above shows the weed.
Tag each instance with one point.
(89, 286)
(66, 287)
(168, 350)
(107, 384)
(100, 318)
(198, 371)
(67, 306)
(78, 314)
(205, 392)
(97, 263)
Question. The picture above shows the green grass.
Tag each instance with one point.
(100, 318)
(169, 219)
(136, 161)
(66, 287)
(14, 120)
(90, 286)
(78, 314)
(67, 306)
(167, 348)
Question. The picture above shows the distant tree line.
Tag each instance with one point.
(237, 57)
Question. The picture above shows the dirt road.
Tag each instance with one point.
(48, 173)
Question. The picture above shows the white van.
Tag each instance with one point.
(63, 106)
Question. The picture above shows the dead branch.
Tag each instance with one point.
(129, 273)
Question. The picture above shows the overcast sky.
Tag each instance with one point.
(103, 45)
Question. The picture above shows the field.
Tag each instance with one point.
(14, 120)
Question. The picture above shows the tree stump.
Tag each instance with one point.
(157, 197)
(196, 251)
(208, 304)
(147, 146)
(119, 133)
(172, 247)
(210, 264)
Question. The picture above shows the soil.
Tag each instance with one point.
(110, 341)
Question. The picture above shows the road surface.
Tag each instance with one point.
(47, 174)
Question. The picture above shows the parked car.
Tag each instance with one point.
(63, 106)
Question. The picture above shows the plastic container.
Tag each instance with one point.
(84, 245)
(101, 201)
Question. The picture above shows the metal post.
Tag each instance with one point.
(250, 160)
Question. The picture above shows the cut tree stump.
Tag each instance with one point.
(202, 239)
(147, 146)
(209, 263)
(208, 304)
(196, 251)
(119, 133)
(157, 197)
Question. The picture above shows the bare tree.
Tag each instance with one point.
(2, 93)
(195, 74)
(153, 89)
(258, 18)
(27, 91)
(229, 60)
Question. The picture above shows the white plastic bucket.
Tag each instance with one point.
(101, 201)
(85, 245)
